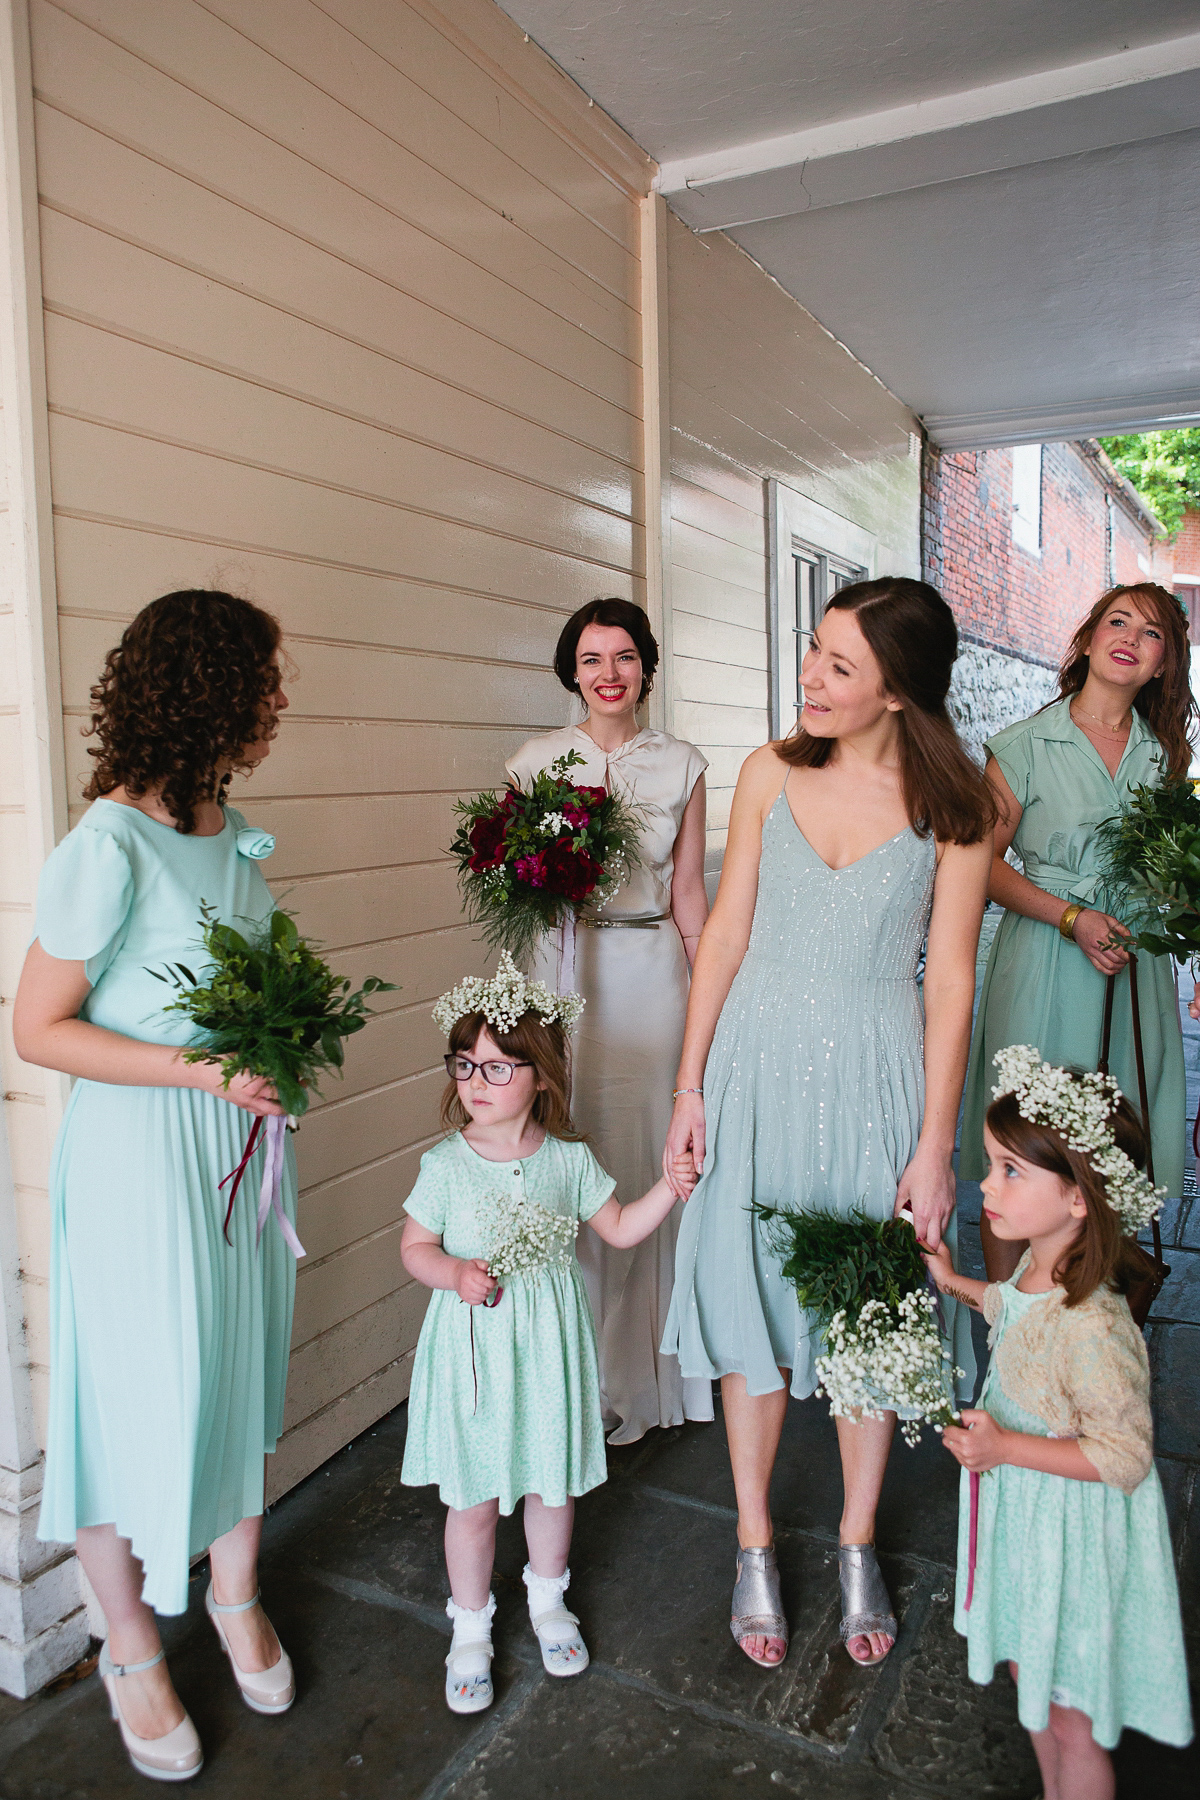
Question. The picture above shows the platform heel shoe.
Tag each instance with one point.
(177, 1755)
(264, 1690)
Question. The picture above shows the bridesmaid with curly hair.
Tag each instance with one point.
(169, 1345)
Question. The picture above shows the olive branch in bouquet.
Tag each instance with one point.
(530, 859)
(269, 1006)
(867, 1284)
(1151, 852)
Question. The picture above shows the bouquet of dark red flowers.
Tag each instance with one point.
(528, 862)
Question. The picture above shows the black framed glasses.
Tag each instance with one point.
(496, 1074)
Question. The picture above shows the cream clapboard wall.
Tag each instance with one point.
(759, 389)
(342, 311)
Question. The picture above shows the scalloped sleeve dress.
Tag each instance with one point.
(168, 1346)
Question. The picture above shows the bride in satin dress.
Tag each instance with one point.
(632, 966)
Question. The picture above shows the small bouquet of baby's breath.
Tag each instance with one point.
(866, 1282)
(889, 1358)
(526, 1239)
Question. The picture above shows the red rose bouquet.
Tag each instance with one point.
(528, 862)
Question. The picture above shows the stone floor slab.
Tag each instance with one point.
(595, 1737)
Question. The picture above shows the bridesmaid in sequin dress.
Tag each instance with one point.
(830, 1080)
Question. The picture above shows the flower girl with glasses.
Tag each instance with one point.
(1064, 1559)
(505, 1400)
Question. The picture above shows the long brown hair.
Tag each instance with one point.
(533, 1040)
(1100, 1253)
(912, 635)
(1165, 702)
(185, 689)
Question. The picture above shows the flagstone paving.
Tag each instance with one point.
(669, 1710)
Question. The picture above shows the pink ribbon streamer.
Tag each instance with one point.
(973, 1539)
(270, 1198)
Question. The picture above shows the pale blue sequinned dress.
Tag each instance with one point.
(813, 1095)
(168, 1346)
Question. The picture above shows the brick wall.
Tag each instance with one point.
(1006, 597)
(1187, 545)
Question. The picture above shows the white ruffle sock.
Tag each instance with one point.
(469, 1664)
(563, 1650)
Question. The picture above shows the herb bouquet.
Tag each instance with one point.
(1151, 851)
(269, 1007)
(528, 862)
(866, 1282)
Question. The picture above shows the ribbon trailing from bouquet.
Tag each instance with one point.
(972, 1539)
(566, 982)
(270, 1197)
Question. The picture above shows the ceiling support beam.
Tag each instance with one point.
(1136, 94)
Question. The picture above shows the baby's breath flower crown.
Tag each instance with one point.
(1080, 1109)
(503, 998)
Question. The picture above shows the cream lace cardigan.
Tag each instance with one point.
(1082, 1370)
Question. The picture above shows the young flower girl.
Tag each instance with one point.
(1064, 1561)
(505, 1400)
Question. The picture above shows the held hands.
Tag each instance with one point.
(253, 1093)
(940, 1266)
(474, 1281)
(683, 1156)
(1098, 935)
(979, 1443)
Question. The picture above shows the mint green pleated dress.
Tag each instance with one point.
(1074, 1582)
(168, 1346)
(1039, 989)
(505, 1399)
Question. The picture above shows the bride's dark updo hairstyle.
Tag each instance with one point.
(622, 614)
(912, 635)
(185, 690)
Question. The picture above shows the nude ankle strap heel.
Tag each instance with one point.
(177, 1755)
(264, 1690)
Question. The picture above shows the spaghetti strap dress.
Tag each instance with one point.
(168, 1345)
(813, 1095)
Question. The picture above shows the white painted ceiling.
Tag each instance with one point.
(994, 203)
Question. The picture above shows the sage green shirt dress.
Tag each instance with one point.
(505, 1399)
(168, 1345)
(1041, 990)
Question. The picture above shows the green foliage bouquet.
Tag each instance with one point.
(866, 1282)
(528, 862)
(270, 1007)
(1151, 852)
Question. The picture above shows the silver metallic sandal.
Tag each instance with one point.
(866, 1607)
(758, 1603)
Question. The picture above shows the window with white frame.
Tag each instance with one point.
(1027, 497)
(814, 552)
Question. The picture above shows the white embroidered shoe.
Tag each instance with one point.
(176, 1756)
(264, 1690)
(563, 1650)
(469, 1664)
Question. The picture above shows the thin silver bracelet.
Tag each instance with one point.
(675, 1095)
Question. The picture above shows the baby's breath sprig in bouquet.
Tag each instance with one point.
(866, 1282)
(270, 1007)
(527, 1239)
(530, 861)
(1152, 853)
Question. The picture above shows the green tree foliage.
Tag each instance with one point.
(1164, 467)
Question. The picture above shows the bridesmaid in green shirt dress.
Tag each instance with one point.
(1122, 721)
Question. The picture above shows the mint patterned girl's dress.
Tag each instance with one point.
(1074, 1580)
(168, 1346)
(505, 1400)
